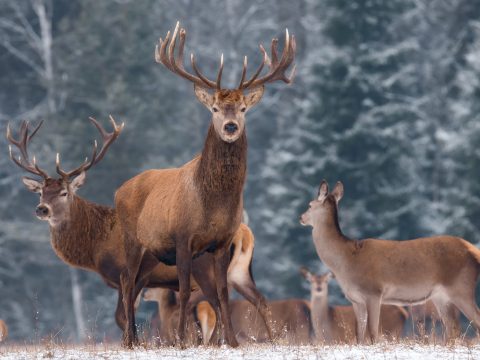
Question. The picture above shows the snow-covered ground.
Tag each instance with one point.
(260, 352)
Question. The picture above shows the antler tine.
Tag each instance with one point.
(219, 75)
(259, 70)
(200, 75)
(277, 67)
(23, 160)
(244, 72)
(107, 138)
(166, 56)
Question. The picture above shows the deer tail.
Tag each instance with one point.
(473, 250)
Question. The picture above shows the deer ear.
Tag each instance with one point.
(305, 273)
(330, 275)
(32, 185)
(322, 190)
(78, 182)
(252, 97)
(204, 96)
(337, 191)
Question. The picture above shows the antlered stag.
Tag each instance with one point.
(174, 215)
(337, 324)
(372, 272)
(88, 235)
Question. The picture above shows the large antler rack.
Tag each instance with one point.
(23, 160)
(165, 54)
(277, 67)
(107, 138)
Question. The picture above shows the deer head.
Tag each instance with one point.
(228, 106)
(56, 194)
(324, 205)
(318, 283)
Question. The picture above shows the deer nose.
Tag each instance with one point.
(230, 127)
(41, 210)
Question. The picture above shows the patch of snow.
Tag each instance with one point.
(260, 352)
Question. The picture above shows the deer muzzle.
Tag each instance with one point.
(42, 211)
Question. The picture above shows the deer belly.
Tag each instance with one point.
(405, 295)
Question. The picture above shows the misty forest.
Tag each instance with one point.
(386, 99)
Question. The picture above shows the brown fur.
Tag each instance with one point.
(168, 313)
(441, 268)
(88, 236)
(337, 324)
(427, 312)
(173, 215)
(3, 331)
(79, 242)
(290, 319)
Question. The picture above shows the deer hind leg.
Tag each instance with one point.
(467, 305)
(446, 310)
(360, 310)
(373, 313)
(120, 312)
(222, 259)
(246, 287)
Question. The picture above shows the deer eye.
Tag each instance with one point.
(215, 109)
(243, 109)
(64, 193)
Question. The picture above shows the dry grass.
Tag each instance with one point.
(404, 349)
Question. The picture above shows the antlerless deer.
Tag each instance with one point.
(372, 272)
(337, 324)
(290, 317)
(174, 215)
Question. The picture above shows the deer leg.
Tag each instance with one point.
(222, 259)
(206, 280)
(446, 311)
(250, 292)
(120, 312)
(184, 269)
(140, 263)
(468, 306)
(360, 310)
(127, 284)
(373, 319)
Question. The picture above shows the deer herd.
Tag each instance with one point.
(178, 232)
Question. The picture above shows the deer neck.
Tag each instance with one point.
(75, 240)
(331, 245)
(222, 169)
(321, 321)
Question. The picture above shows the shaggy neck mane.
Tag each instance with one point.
(222, 168)
(75, 240)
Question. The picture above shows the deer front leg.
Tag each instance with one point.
(221, 267)
(184, 269)
(373, 317)
(360, 310)
(127, 284)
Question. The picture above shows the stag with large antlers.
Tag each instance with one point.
(88, 235)
(174, 215)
